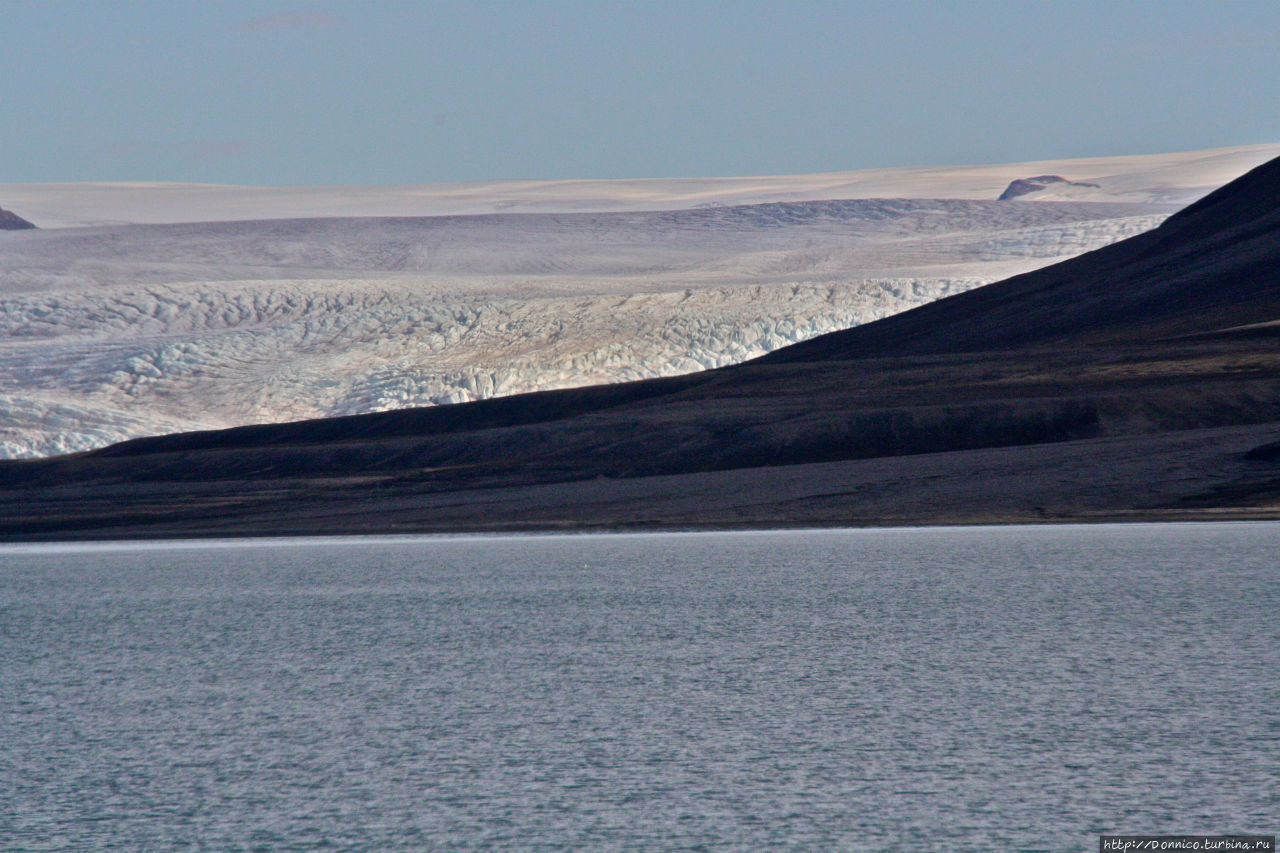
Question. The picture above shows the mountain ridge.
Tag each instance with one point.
(1244, 214)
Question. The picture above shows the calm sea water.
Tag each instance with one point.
(993, 689)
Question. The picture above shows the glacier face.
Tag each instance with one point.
(111, 332)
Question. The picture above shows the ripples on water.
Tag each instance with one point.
(883, 690)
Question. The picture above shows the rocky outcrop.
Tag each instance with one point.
(1024, 186)
(10, 221)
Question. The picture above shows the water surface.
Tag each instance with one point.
(883, 690)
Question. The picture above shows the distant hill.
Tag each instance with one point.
(10, 221)
(1026, 186)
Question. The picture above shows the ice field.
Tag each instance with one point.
(138, 309)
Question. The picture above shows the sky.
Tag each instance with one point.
(376, 92)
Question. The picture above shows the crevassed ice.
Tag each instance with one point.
(113, 333)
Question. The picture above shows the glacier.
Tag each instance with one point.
(113, 331)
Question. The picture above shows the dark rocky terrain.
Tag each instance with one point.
(1026, 186)
(1139, 381)
(10, 221)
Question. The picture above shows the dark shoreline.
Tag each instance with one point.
(1197, 475)
(447, 534)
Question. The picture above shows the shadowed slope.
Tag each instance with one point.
(1209, 269)
(10, 221)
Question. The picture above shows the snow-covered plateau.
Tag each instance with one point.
(310, 302)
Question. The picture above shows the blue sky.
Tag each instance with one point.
(417, 92)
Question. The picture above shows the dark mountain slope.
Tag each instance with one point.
(1210, 268)
(10, 221)
(1130, 382)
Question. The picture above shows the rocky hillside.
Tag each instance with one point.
(10, 221)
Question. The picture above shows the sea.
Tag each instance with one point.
(1021, 688)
